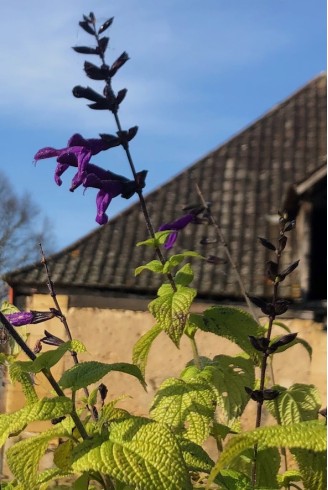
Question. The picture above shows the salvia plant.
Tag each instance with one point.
(103, 446)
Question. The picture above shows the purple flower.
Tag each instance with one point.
(21, 318)
(111, 186)
(77, 154)
(176, 226)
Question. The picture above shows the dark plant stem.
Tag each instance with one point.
(63, 319)
(46, 372)
(227, 252)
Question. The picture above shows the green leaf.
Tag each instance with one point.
(171, 309)
(82, 483)
(231, 323)
(154, 266)
(160, 237)
(63, 454)
(7, 308)
(313, 468)
(139, 452)
(142, 347)
(306, 435)
(228, 376)
(86, 373)
(46, 409)
(48, 359)
(23, 457)
(26, 382)
(195, 456)
(233, 480)
(184, 276)
(289, 476)
(175, 260)
(187, 405)
(298, 403)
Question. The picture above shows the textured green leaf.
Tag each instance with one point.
(195, 456)
(139, 452)
(313, 468)
(233, 480)
(26, 383)
(306, 435)
(45, 409)
(298, 403)
(228, 375)
(171, 309)
(231, 323)
(47, 360)
(186, 405)
(23, 458)
(86, 373)
(154, 266)
(184, 276)
(289, 476)
(63, 455)
(160, 237)
(82, 483)
(110, 412)
(142, 347)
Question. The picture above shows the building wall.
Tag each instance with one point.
(110, 334)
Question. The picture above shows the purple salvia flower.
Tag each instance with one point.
(176, 226)
(77, 154)
(20, 318)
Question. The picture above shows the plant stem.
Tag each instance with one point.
(63, 319)
(227, 252)
(46, 372)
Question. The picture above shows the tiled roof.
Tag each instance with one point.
(246, 180)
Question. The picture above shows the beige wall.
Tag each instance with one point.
(110, 334)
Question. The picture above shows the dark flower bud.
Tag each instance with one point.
(266, 308)
(58, 420)
(121, 96)
(109, 93)
(51, 339)
(288, 270)
(96, 73)
(86, 50)
(256, 395)
(270, 394)
(87, 27)
(103, 43)
(100, 106)
(267, 244)
(118, 63)
(282, 243)
(323, 412)
(213, 259)
(21, 318)
(103, 392)
(126, 136)
(289, 225)
(87, 93)
(105, 25)
(259, 343)
(37, 347)
(208, 241)
(110, 140)
(272, 270)
(281, 306)
(141, 179)
(286, 339)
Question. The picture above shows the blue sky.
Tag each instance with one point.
(200, 71)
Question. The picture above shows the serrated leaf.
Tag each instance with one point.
(298, 403)
(47, 360)
(313, 468)
(110, 412)
(231, 323)
(23, 457)
(233, 480)
(160, 238)
(26, 383)
(45, 409)
(306, 435)
(86, 373)
(153, 265)
(139, 452)
(63, 454)
(142, 347)
(289, 476)
(228, 375)
(195, 456)
(171, 309)
(187, 405)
